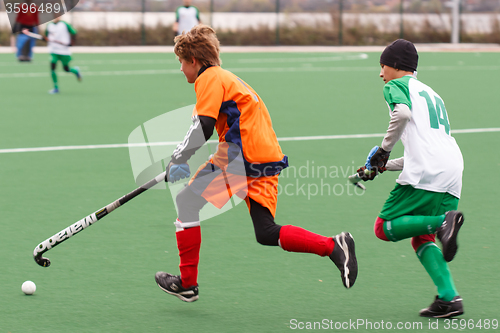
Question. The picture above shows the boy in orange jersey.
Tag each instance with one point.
(233, 108)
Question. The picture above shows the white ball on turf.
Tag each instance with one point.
(28, 287)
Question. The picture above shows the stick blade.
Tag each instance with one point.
(44, 262)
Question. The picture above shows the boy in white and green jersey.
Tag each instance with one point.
(423, 204)
(61, 36)
(186, 17)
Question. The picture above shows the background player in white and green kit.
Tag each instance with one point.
(61, 36)
(186, 17)
(423, 204)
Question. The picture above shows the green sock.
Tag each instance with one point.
(74, 71)
(54, 79)
(431, 257)
(410, 226)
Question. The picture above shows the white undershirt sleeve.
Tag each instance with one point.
(400, 116)
(395, 164)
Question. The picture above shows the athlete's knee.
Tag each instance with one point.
(269, 235)
(418, 241)
(379, 229)
(66, 68)
(267, 232)
(189, 205)
(53, 66)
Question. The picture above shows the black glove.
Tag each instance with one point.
(366, 174)
(379, 160)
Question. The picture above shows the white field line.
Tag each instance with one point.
(360, 56)
(98, 62)
(305, 68)
(172, 143)
(434, 47)
(173, 60)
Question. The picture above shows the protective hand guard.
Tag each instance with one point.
(369, 157)
(176, 172)
(379, 160)
(375, 164)
(365, 174)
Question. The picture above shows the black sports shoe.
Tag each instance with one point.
(442, 309)
(344, 258)
(448, 231)
(172, 284)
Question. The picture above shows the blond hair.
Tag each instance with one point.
(201, 43)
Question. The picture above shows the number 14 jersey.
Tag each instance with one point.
(432, 158)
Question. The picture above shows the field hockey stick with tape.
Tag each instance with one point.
(75, 228)
(356, 178)
(40, 37)
(356, 181)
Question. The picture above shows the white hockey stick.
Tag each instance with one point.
(355, 180)
(33, 35)
(40, 37)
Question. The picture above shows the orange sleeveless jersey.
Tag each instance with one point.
(242, 118)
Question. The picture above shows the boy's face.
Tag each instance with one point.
(190, 69)
(388, 73)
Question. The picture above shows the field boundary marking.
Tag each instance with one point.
(249, 70)
(174, 143)
(437, 47)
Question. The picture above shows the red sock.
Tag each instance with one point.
(379, 229)
(296, 239)
(188, 243)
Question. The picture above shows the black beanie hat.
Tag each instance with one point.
(401, 54)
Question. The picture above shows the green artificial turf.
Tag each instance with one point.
(102, 280)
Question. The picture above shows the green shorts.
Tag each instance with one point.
(65, 59)
(407, 200)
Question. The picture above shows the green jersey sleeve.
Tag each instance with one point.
(47, 29)
(71, 30)
(177, 14)
(397, 92)
(197, 14)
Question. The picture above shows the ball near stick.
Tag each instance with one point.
(28, 287)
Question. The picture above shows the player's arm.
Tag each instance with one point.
(198, 15)
(200, 131)
(377, 160)
(72, 32)
(398, 99)
(396, 164)
(209, 97)
(175, 27)
(400, 117)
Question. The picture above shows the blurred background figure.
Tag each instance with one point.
(25, 20)
(187, 17)
(61, 36)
